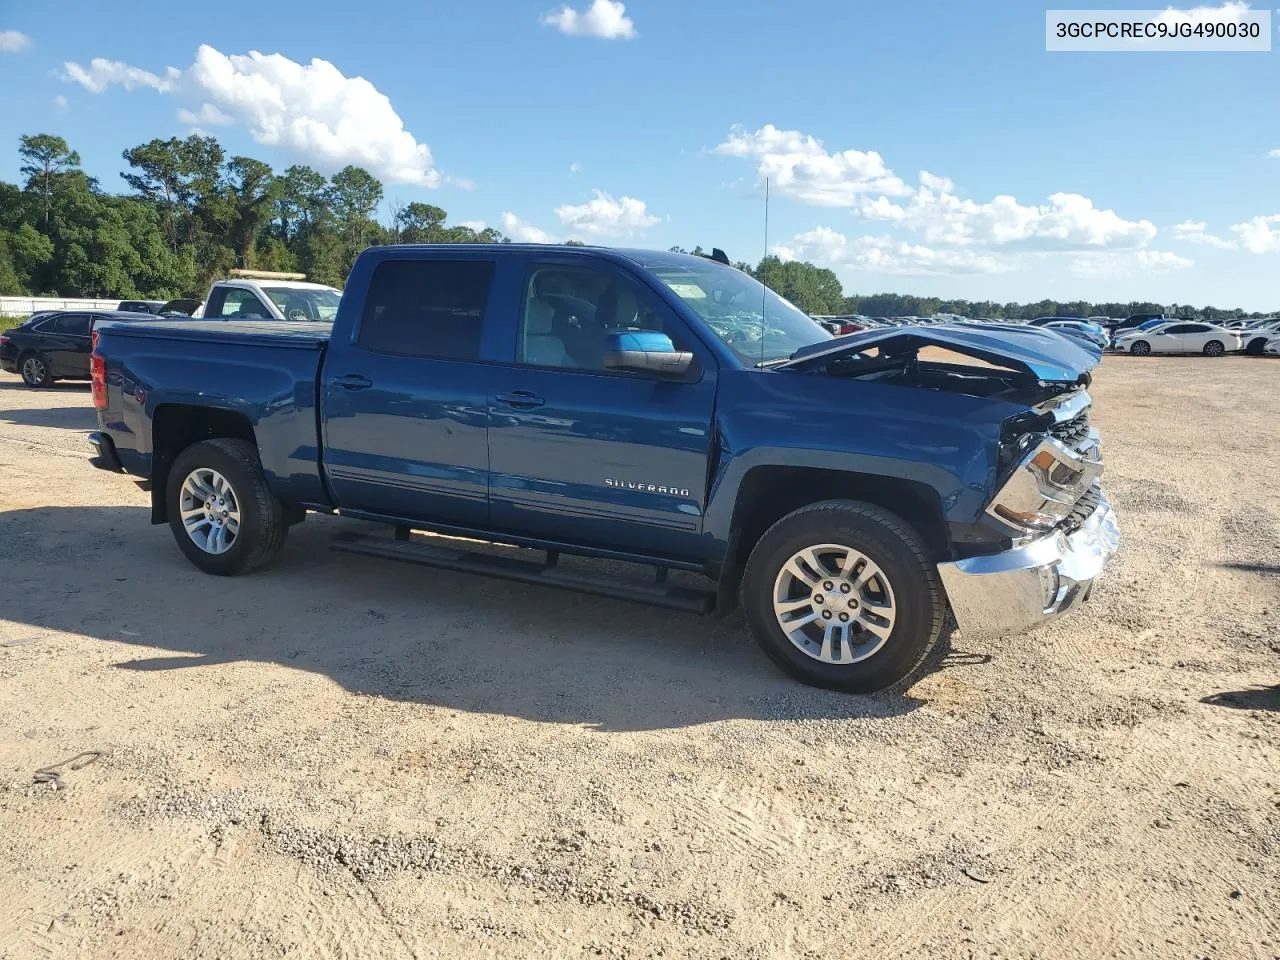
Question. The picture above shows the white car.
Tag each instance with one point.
(1179, 337)
(260, 295)
(1272, 349)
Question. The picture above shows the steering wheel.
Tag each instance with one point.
(297, 313)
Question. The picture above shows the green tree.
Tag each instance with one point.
(354, 195)
(421, 223)
(44, 158)
(253, 191)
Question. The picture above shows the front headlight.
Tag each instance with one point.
(1045, 486)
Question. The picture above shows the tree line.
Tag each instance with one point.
(191, 213)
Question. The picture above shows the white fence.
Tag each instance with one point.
(21, 306)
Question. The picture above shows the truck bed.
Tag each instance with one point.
(259, 332)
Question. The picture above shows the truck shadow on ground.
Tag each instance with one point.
(402, 632)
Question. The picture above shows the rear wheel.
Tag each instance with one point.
(35, 370)
(842, 594)
(1140, 348)
(221, 511)
(1214, 348)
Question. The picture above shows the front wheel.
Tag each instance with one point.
(1214, 348)
(221, 511)
(35, 371)
(1256, 346)
(1140, 348)
(842, 594)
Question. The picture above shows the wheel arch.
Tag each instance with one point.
(769, 493)
(176, 426)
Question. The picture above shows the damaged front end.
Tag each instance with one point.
(1047, 501)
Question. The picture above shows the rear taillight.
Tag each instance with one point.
(98, 374)
(4, 340)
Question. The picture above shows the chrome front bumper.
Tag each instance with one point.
(1019, 589)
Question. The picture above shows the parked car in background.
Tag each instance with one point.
(1179, 337)
(258, 295)
(181, 307)
(1272, 349)
(1257, 336)
(141, 306)
(1134, 319)
(55, 345)
(1081, 329)
(844, 325)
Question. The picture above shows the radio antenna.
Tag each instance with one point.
(764, 293)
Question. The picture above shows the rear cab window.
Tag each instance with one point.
(427, 308)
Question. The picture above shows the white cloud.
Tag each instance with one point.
(207, 113)
(603, 216)
(524, 232)
(799, 167)
(312, 111)
(575, 168)
(1117, 265)
(60, 103)
(1068, 221)
(1259, 235)
(933, 182)
(1274, 154)
(604, 18)
(884, 254)
(11, 41)
(1193, 231)
(1232, 11)
(103, 73)
(477, 225)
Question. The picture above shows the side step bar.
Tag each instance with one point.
(658, 593)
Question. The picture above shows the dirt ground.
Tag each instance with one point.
(344, 757)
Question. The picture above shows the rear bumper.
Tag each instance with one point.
(1019, 589)
(105, 456)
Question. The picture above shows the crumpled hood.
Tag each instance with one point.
(1043, 354)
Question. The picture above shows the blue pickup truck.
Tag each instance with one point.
(657, 408)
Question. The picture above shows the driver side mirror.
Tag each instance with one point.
(645, 351)
(1161, 333)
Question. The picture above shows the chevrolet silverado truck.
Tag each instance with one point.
(656, 408)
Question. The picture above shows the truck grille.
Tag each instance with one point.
(1082, 511)
(1072, 433)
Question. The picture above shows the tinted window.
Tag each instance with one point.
(427, 308)
(567, 312)
(1180, 328)
(72, 324)
(1195, 328)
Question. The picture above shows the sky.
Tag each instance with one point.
(931, 148)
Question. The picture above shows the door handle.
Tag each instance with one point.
(521, 399)
(354, 381)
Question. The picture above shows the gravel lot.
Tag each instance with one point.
(344, 757)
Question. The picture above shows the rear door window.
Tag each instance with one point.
(427, 308)
(72, 325)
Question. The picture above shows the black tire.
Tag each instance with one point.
(891, 544)
(1255, 346)
(1214, 348)
(263, 523)
(1140, 348)
(35, 370)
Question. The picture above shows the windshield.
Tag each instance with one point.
(305, 304)
(755, 323)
